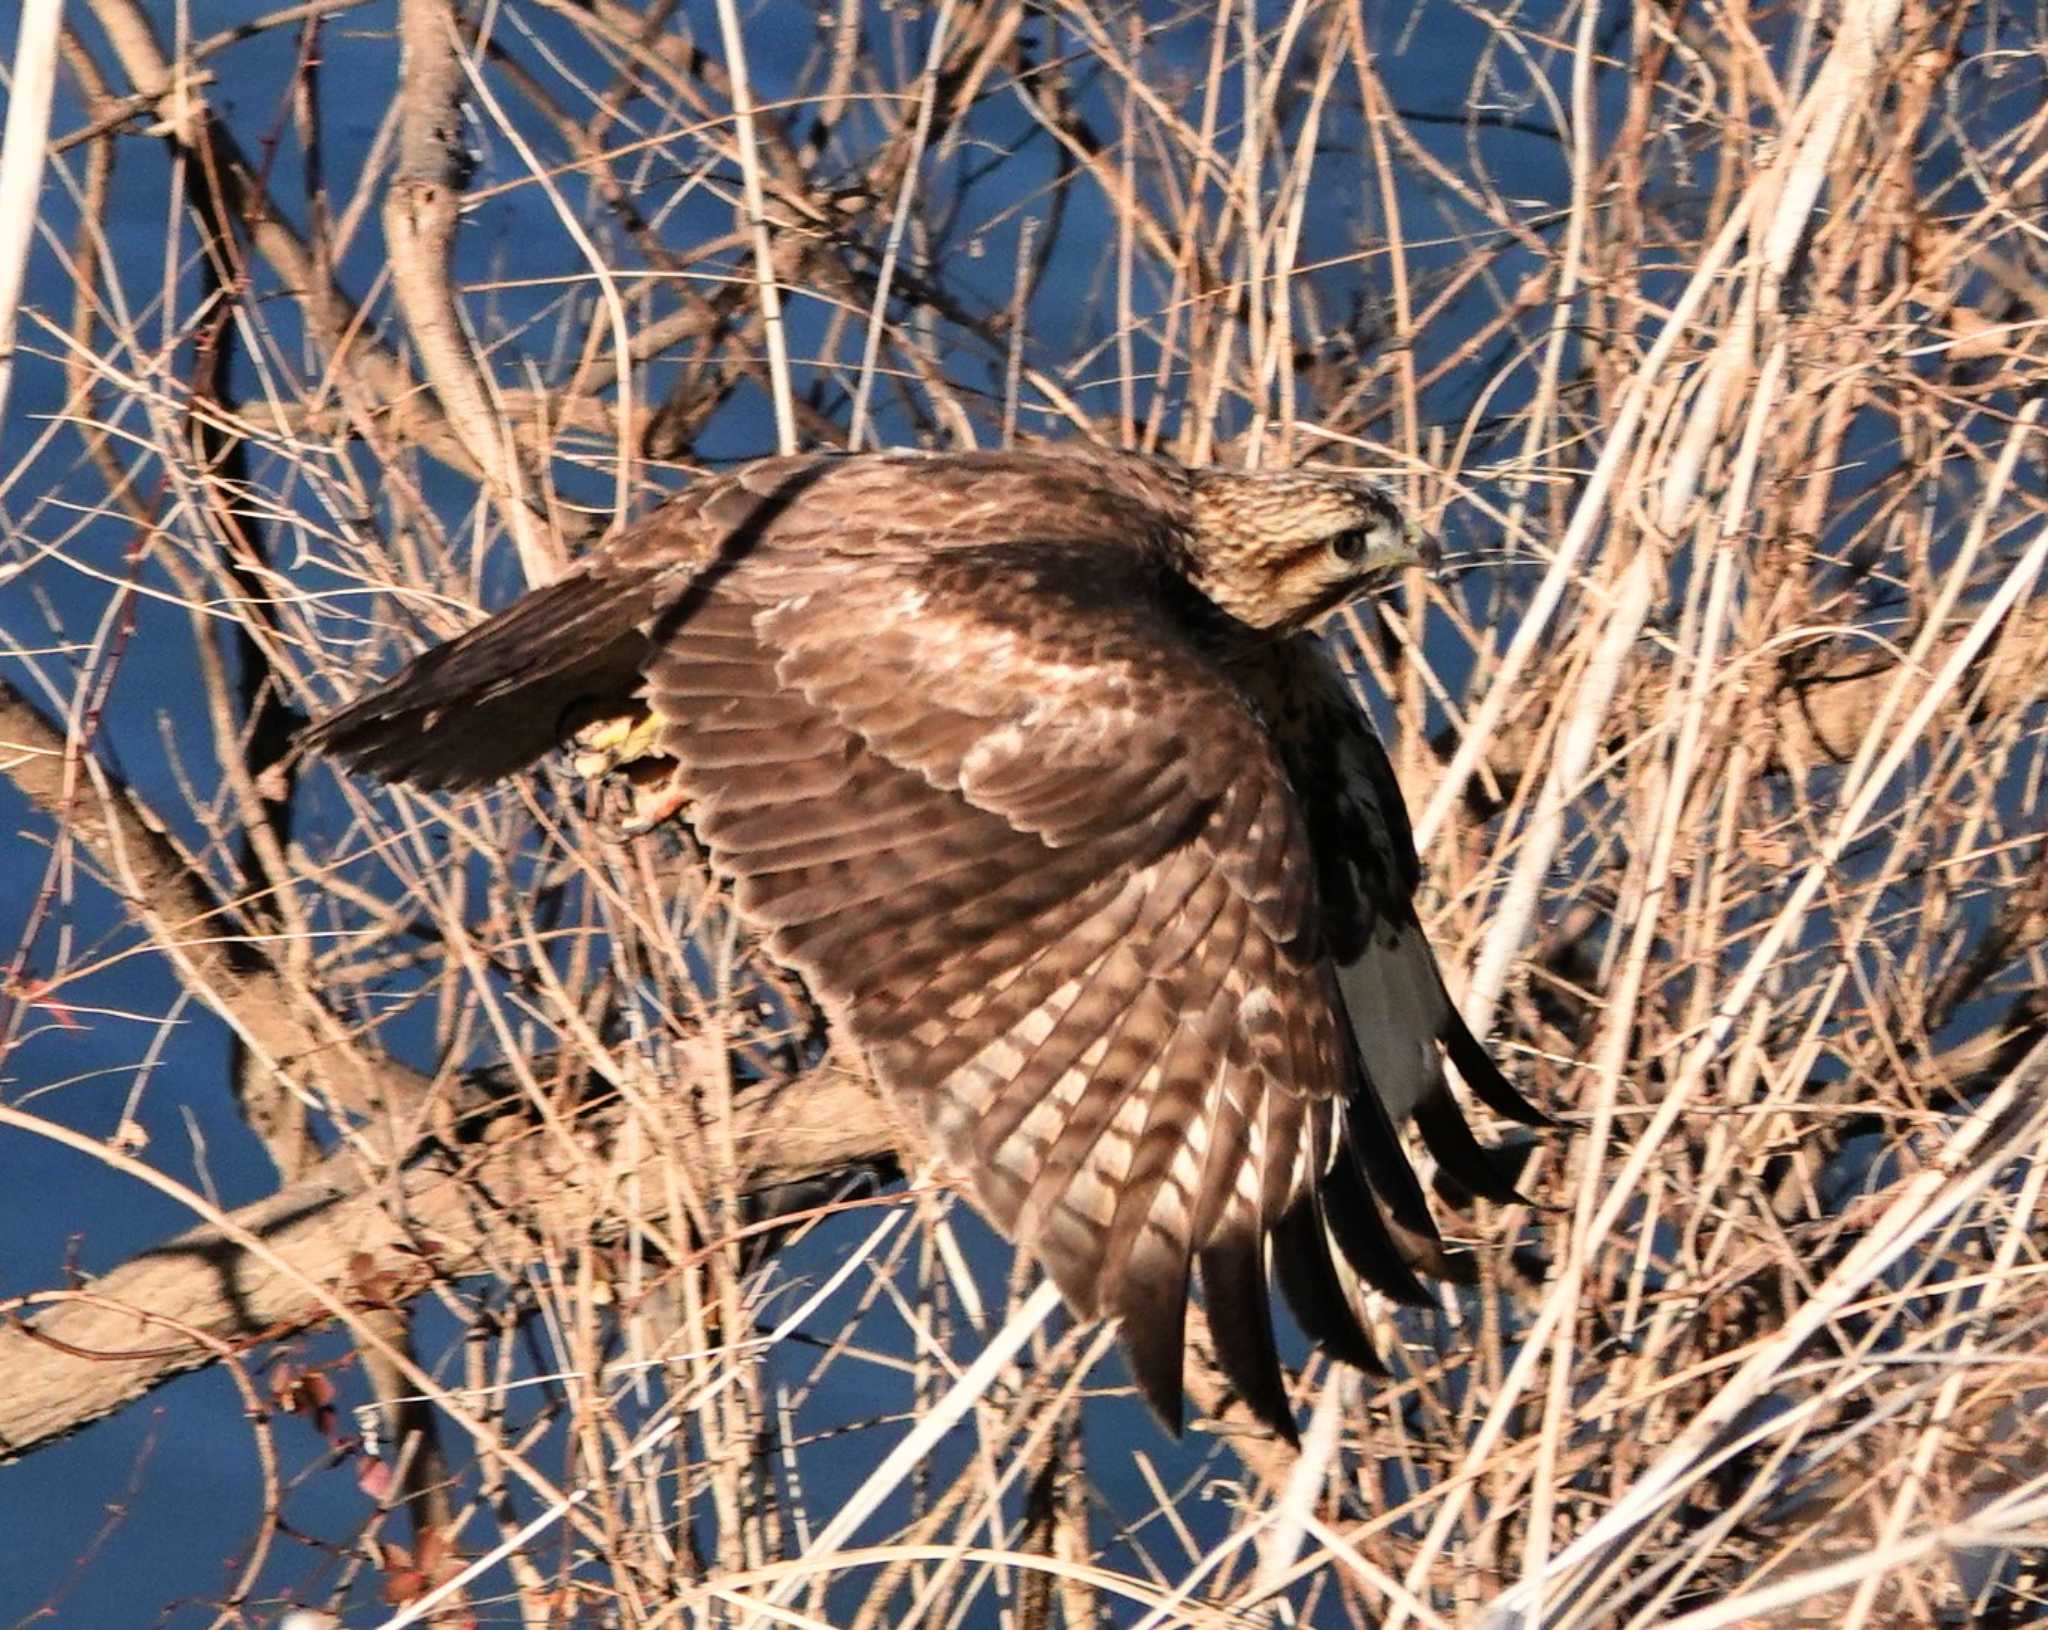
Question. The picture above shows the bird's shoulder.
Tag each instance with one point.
(901, 504)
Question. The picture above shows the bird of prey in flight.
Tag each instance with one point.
(1027, 763)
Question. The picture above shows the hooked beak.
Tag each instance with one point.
(1422, 549)
(1415, 548)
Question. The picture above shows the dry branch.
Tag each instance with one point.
(1820, 704)
(441, 1215)
(284, 1026)
(421, 210)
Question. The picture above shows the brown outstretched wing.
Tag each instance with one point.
(489, 702)
(971, 755)
(1006, 814)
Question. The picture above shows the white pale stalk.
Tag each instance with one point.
(766, 290)
(27, 139)
(906, 193)
(908, 1455)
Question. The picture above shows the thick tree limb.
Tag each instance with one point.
(445, 1214)
(283, 1027)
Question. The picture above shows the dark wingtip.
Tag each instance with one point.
(1163, 1394)
(1241, 1328)
(1301, 1252)
(1154, 1308)
(489, 702)
(1361, 1231)
(330, 737)
(1483, 1076)
(398, 745)
(1461, 1156)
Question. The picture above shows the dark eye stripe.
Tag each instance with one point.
(1303, 554)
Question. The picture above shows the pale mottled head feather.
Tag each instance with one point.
(1278, 549)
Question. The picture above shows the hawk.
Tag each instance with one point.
(1027, 763)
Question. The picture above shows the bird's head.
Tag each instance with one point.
(1277, 550)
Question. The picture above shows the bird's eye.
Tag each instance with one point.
(1350, 547)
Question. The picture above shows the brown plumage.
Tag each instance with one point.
(1021, 760)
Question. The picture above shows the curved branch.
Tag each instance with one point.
(283, 1025)
(421, 211)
